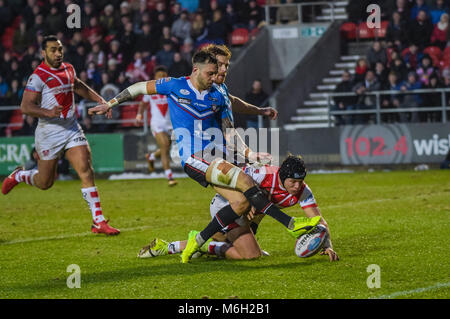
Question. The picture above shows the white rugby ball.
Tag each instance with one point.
(308, 245)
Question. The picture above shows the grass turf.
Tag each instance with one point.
(397, 220)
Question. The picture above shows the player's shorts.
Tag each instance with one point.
(51, 140)
(197, 164)
(217, 203)
(158, 126)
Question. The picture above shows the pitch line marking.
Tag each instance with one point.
(414, 291)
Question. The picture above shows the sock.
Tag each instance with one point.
(26, 176)
(224, 217)
(152, 157)
(254, 227)
(168, 173)
(257, 198)
(216, 248)
(90, 195)
(174, 247)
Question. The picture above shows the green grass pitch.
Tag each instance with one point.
(399, 221)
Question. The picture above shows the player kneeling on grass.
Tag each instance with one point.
(237, 240)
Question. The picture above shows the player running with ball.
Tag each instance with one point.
(197, 108)
(49, 96)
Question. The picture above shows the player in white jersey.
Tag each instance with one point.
(286, 187)
(160, 125)
(49, 96)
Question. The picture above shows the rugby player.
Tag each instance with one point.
(286, 187)
(49, 96)
(160, 126)
(195, 107)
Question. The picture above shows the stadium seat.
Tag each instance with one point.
(348, 30)
(447, 51)
(381, 32)
(433, 51)
(128, 112)
(364, 32)
(16, 120)
(239, 36)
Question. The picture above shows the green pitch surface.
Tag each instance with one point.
(399, 221)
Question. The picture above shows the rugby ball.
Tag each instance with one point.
(308, 245)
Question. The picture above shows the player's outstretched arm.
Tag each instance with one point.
(30, 106)
(134, 90)
(243, 107)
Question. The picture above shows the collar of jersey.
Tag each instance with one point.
(199, 95)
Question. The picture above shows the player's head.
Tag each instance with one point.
(52, 51)
(160, 72)
(292, 173)
(204, 69)
(223, 56)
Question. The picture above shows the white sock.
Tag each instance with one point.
(174, 247)
(214, 248)
(26, 176)
(168, 173)
(90, 195)
(152, 157)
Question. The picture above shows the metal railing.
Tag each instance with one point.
(378, 109)
(300, 11)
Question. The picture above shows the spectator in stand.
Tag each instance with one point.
(425, 70)
(165, 55)
(198, 29)
(145, 40)
(440, 35)
(38, 26)
(5, 15)
(114, 52)
(21, 38)
(420, 30)
(97, 56)
(344, 103)
(14, 94)
(14, 72)
(181, 28)
(410, 100)
(179, 67)
(94, 75)
(78, 59)
(28, 127)
(412, 56)
(136, 69)
(108, 20)
(432, 99)
(127, 42)
(217, 29)
(381, 73)
(27, 58)
(253, 12)
(361, 68)
(112, 70)
(366, 102)
(376, 54)
(396, 33)
(168, 37)
(390, 101)
(287, 13)
(93, 33)
(401, 6)
(186, 50)
(258, 97)
(54, 21)
(231, 17)
(419, 6)
(438, 10)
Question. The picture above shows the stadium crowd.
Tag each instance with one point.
(414, 54)
(119, 42)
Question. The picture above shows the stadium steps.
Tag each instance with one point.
(314, 111)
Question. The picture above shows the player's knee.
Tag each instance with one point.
(86, 173)
(252, 254)
(46, 184)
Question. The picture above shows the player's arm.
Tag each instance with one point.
(134, 90)
(236, 143)
(83, 90)
(140, 113)
(31, 106)
(313, 211)
(240, 106)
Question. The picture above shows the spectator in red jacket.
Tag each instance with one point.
(439, 37)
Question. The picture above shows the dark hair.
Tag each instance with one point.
(292, 167)
(203, 57)
(160, 68)
(48, 38)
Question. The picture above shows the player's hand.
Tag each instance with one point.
(270, 112)
(139, 119)
(101, 109)
(55, 112)
(331, 253)
(261, 157)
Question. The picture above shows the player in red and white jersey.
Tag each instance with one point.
(286, 188)
(49, 96)
(161, 127)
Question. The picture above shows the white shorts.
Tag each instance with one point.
(53, 139)
(161, 126)
(217, 203)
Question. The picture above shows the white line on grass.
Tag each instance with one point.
(414, 291)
